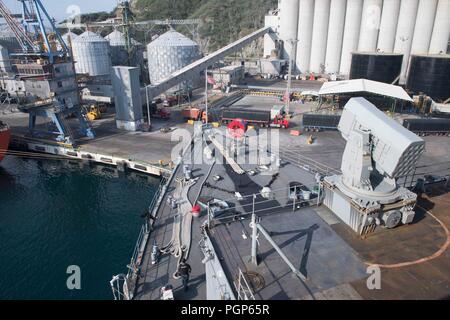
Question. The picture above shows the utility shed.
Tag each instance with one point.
(364, 85)
(229, 75)
(127, 97)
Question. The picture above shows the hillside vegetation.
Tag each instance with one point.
(224, 21)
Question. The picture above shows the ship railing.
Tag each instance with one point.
(243, 288)
(308, 164)
(292, 198)
(138, 252)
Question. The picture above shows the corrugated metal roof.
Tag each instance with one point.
(89, 36)
(117, 38)
(172, 39)
(364, 85)
(72, 35)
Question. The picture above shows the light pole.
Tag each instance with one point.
(293, 43)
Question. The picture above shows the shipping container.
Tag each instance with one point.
(318, 122)
(430, 126)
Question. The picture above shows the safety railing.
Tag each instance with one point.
(129, 285)
(243, 288)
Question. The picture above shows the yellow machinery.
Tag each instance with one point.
(94, 113)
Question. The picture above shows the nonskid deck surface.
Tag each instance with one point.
(307, 240)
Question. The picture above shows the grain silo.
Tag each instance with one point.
(91, 54)
(288, 27)
(319, 36)
(329, 31)
(168, 53)
(119, 53)
(441, 28)
(405, 32)
(335, 34)
(353, 16)
(370, 22)
(305, 25)
(388, 26)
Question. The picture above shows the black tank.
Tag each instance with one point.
(383, 67)
(430, 74)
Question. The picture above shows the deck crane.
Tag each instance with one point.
(45, 66)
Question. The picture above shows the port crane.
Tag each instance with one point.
(45, 65)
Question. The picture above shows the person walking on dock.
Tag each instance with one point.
(184, 271)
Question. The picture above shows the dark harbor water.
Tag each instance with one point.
(54, 214)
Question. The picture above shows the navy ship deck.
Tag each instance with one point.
(333, 258)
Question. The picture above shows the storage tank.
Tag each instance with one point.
(288, 21)
(424, 26)
(351, 34)
(5, 64)
(405, 31)
(91, 54)
(370, 23)
(429, 74)
(119, 53)
(388, 25)
(319, 36)
(69, 37)
(383, 67)
(335, 34)
(169, 53)
(305, 27)
(441, 29)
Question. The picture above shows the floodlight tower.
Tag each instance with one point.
(378, 152)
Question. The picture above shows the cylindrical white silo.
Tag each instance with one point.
(441, 29)
(351, 34)
(405, 31)
(91, 54)
(424, 26)
(388, 25)
(319, 36)
(305, 30)
(169, 53)
(335, 34)
(288, 17)
(370, 23)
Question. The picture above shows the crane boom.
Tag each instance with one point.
(21, 35)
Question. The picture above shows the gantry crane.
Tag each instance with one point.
(45, 66)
